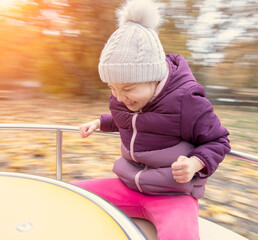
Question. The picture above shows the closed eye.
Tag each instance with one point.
(128, 88)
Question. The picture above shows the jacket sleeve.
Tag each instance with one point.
(107, 123)
(201, 127)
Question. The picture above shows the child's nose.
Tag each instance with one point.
(120, 97)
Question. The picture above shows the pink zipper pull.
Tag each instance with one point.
(133, 136)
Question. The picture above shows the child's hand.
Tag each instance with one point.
(184, 168)
(87, 129)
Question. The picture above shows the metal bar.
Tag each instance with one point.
(59, 140)
(243, 156)
(65, 128)
(59, 144)
(45, 127)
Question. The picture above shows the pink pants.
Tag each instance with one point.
(175, 217)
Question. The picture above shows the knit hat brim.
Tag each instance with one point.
(132, 73)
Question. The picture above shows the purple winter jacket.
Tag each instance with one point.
(178, 121)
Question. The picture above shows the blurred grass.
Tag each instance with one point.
(241, 123)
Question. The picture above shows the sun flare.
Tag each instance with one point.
(7, 4)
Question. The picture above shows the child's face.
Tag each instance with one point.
(134, 95)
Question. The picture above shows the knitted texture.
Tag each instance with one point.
(134, 52)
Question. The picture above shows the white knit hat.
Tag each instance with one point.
(134, 52)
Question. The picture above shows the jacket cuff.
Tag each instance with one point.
(203, 172)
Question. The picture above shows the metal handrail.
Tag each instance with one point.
(64, 128)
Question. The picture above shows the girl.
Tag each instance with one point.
(171, 140)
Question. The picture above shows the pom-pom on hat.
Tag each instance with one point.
(134, 52)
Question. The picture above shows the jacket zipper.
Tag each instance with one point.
(133, 136)
(137, 176)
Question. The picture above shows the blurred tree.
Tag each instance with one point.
(65, 41)
(241, 62)
(13, 58)
(58, 42)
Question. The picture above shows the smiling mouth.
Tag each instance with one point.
(130, 104)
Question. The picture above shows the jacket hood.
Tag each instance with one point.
(179, 74)
(179, 70)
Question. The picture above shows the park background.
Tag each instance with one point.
(48, 75)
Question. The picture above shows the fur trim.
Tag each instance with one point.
(147, 13)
